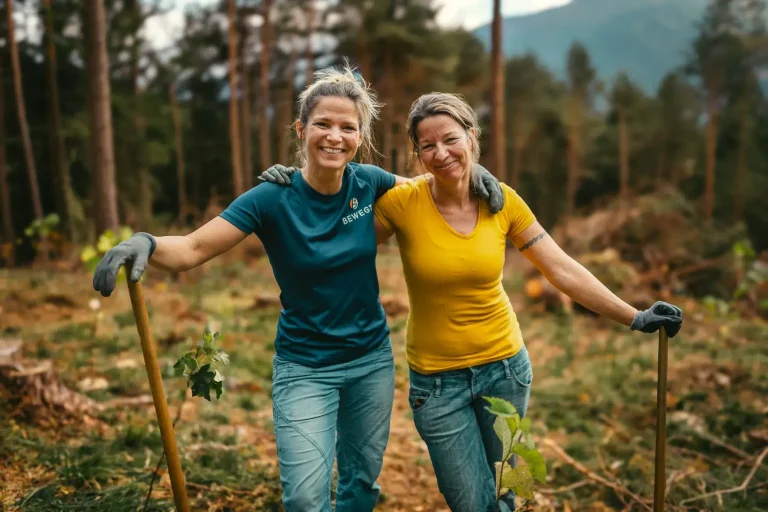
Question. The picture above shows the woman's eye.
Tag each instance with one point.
(452, 140)
(321, 124)
(427, 147)
(350, 128)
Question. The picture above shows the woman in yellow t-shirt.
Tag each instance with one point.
(463, 338)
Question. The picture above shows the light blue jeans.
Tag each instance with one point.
(450, 415)
(345, 406)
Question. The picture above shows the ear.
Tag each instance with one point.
(299, 130)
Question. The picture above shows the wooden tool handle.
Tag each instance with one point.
(178, 484)
(660, 482)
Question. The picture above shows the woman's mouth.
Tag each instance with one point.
(332, 151)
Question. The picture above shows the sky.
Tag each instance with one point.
(469, 14)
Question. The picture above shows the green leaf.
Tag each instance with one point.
(178, 368)
(528, 441)
(525, 425)
(500, 407)
(219, 388)
(191, 362)
(501, 475)
(514, 423)
(505, 435)
(535, 460)
(520, 481)
(202, 382)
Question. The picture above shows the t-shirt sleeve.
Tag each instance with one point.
(247, 212)
(381, 180)
(390, 208)
(516, 213)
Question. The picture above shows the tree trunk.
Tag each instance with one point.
(5, 193)
(310, 57)
(245, 116)
(364, 53)
(29, 157)
(234, 122)
(145, 185)
(497, 95)
(388, 110)
(287, 111)
(265, 135)
(518, 150)
(59, 165)
(711, 153)
(180, 176)
(573, 157)
(100, 119)
(623, 157)
(742, 169)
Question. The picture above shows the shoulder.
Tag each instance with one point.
(368, 172)
(406, 193)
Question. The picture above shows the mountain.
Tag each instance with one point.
(645, 38)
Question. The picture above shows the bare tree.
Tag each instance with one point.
(29, 157)
(234, 123)
(266, 48)
(498, 137)
(100, 118)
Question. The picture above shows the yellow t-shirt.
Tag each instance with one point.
(460, 315)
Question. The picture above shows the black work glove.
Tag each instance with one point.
(657, 316)
(487, 188)
(278, 174)
(136, 250)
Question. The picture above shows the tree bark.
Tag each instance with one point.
(573, 157)
(5, 193)
(388, 110)
(234, 122)
(742, 168)
(623, 157)
(310, 57)
(518, 150)
(59, 165)
(711, 153)
(497, 95)
(29, 157)
(246, 115)
(145, 185)
(100, 119)
(180, 175)
(287, 110)
(265, 135)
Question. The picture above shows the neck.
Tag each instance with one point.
(452, 193)
(323, 180)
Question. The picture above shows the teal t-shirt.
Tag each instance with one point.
(322, 249)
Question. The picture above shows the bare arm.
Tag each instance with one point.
(180, 253)
(382, 233)
(569, 276)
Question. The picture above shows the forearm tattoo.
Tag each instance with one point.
(532, 241)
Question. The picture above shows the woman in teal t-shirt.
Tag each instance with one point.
(333, 372)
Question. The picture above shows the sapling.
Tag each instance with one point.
(201, 367)
(514, 433)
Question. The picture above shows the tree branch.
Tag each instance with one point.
(742, 487)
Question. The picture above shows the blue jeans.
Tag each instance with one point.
(345, 406)
(450, 415)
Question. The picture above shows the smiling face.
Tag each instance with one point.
(445, 148)
(332, 133)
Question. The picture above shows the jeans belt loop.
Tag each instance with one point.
(507, 371)
(437, 386)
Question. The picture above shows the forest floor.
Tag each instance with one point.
(592, 405)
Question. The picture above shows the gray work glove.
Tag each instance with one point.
(278, 174)
(136, 250)
(657, 316)
(487, 188)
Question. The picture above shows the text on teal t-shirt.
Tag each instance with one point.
(322, 249)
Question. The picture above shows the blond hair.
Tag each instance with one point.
(341, 83)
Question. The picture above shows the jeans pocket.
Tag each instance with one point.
(418, 397)
(521, 367)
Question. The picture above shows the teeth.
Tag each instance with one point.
(331, 150)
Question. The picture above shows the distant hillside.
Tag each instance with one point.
(645, 38)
